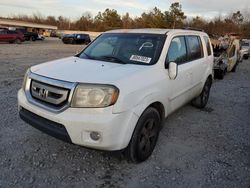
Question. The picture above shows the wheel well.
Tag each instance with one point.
(160, 108)
(210, 78)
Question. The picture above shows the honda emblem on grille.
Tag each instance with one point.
(43, 93)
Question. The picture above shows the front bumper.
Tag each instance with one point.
(115, 129)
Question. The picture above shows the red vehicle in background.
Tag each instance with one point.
(11, 36)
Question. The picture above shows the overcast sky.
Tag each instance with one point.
(75, 8)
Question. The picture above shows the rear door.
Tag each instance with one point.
(197, 61)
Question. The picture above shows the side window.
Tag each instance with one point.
(3, 32)
(232, 51)
(209, 52)
(177, 51)
(195, 48)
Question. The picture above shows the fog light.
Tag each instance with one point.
(95, 136)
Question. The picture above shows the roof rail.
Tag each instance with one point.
(192, 28)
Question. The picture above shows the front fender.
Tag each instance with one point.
(139, 102)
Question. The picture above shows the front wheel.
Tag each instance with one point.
(202, 99)
(235, 67)
(32, 38)
(145, 136)
(245, 56)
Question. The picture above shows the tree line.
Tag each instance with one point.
(174, 17)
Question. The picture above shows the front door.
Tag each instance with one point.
(180, 87)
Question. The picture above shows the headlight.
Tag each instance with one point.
(94, 96)
(25, 78)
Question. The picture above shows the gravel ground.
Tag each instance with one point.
(196, 148)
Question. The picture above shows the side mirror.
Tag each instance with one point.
(172, 70)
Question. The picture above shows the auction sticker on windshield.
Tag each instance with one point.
(142, 59)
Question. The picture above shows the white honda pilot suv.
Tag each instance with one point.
(116, 93)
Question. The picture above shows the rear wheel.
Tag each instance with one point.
(18, 41)
(71, 41)
(202, 99)
(220, 74)
(145, 136)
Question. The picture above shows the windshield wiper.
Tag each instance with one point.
(89, 56)
(113, 59)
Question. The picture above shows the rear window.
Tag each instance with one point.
(209, 51)
(194, 47)
(245, 44)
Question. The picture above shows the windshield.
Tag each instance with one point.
(126, 48)
(245, 44)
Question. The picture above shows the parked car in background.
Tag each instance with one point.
(40, 37)
(233, 55)
(11, 36)
(32, 36)
(245, 48)
(116, 93)
(220, 62)
(226, 55)
(76, 39)
(53, 33)
(244, 54)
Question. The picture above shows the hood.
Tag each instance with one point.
(244, 49)
(74, 69)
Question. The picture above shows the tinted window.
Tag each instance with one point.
(177, 51)
(209, 52)
(195, 48)
(12, 32)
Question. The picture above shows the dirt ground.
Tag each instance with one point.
(196, 148)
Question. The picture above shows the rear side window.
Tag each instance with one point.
(194, 47)
(209, 52)
(232, 51)
(177, 51)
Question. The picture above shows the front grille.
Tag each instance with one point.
(49, 94)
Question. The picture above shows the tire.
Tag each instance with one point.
(202, 99)
(32, 38)
(245, 56)
(220, 74)
(18, 41)
(145, 136)
(235, 67)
